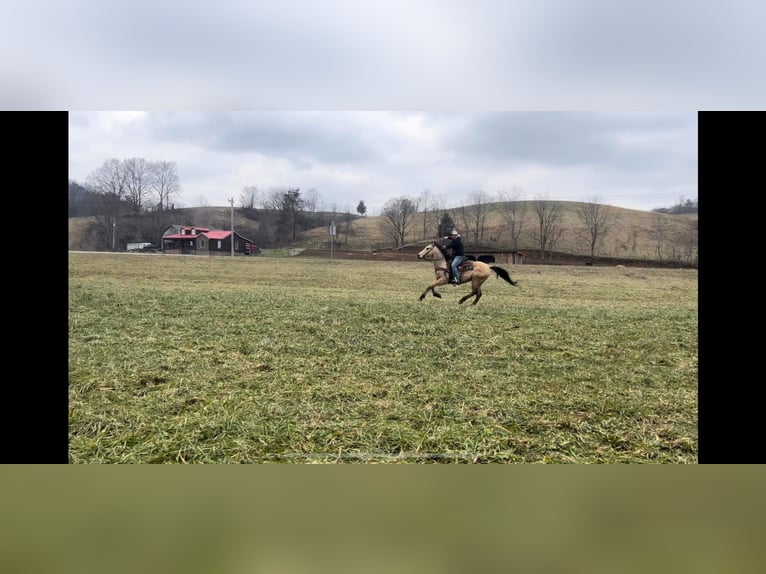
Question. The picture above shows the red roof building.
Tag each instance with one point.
(191, 240)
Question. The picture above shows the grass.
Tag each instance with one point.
(182, 359)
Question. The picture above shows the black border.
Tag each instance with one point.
(35, 393)
(729, 213)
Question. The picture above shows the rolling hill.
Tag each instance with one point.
(633, 235)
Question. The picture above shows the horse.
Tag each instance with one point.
(474, 271)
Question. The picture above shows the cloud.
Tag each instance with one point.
(637, 160)
(399, 55)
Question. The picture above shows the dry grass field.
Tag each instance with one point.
(183, 359)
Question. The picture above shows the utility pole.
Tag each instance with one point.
(231, 201)
(114, 233)
(332, 238)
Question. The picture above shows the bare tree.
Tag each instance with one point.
(431, 204)
(311, 200)
(513, 210)
(438, 203)
(138, 178)
(660, 224)
(164, 182)
(248, 197)
(597, 221)
(688, 239)
(346, 219)
(273, 198)
(108, 184)
(549, 215)
(398, 218)
(424, 201)
(472, 218)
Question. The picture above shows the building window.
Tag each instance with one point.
(219, 244)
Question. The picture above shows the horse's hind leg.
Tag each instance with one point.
(464, 299)
(475, 292)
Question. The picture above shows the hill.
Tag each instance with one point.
(634, 235)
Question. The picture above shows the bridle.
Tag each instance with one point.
(427, 253)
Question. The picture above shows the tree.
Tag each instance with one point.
(108, 184)
(473, 217)
(345, 219)
(597, 221)
(660, 224)
(138, 178)
(361, 209)
(548, 220)
(431, 204)
(291, 205)
(248, 197)
(425, 202)
(82, 202)
(513, 210)
(311, 200)
(273, 199)
(446, 225)
(164, 182)
(398, 218)
(688, 239)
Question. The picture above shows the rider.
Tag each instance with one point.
(456, 246)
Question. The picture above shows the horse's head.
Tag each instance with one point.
(428, 251)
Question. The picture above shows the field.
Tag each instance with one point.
(183, 359)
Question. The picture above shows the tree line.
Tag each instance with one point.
(541, 219)
(133, 199)
(402, 215)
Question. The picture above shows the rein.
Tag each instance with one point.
(437, 248)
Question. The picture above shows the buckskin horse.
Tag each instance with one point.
(474, 271)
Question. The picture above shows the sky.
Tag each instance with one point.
(635, 160)
(434, 71)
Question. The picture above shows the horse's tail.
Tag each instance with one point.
(504, 274)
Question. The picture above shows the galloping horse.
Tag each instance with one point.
(474, 271)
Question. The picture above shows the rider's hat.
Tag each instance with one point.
(454, 232)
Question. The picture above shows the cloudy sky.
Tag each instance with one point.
(451, 63)
(637, 160)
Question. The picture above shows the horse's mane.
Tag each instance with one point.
(440, 248)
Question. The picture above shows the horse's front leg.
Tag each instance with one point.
(440, 280)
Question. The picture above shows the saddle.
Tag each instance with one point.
(465, 265)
